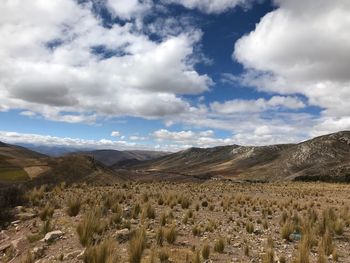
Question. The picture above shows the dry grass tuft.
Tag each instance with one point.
(136, 246)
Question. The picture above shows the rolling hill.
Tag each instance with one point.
(322, 158)
(113, 157)
(21, 165)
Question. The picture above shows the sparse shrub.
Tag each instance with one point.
(149, 212)
(46, 227)
(90, 225)
(136, 246)
(287, 230)
(136, 210)
(219, 245)
(335, 255)
(196, 257)
(36, 194)
(205, 203)
(246, 250)
(46, 212)
(327, 243)
(160, 200)
(206, 251)
(196, 231)
(27, 258)
(185, 202)
(163, 255)
(303, 251)
(171, 235)
(249, 227)
(106, 252)
(197, 207)
(163, 219)
(269, 255)
(9, 197)
(321, 256)
(34, 237)
(73, 206)
(339, 226)
(116, 218)
(160, 236)
(282, 259)
(265, 224)
(145, 197)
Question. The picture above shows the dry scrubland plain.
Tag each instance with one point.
(215, 221)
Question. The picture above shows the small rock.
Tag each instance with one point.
(15, 223)
(51, 236)
(38, 252)
(123, 235)
(72, 255)
(127, 212)
(81, 255)
(25, 216)
(18, 209)
(295, 236)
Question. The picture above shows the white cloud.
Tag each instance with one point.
(127, 9)
(137, 138)
(303, 47)
(115, 134)
(259, 105)
(210, 6)
(186, 139)
(15, 137)
(50, 65)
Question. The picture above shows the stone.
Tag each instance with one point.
(295, 236)
(133, 221)
(38, 252)
(81, 255)
(15, 223)
(25, 216)
(53, 235)
(127, 212)
(72, 255)
(123, 235)
(18, 209)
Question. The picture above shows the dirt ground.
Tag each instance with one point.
(280, 222)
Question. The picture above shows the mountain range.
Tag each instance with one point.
(325, 158)
(322, 158)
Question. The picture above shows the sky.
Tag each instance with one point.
(172, 74)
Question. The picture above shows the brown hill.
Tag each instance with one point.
(114, 157)
(322, 158)
(20, 165)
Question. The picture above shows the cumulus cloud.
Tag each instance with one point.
(210, 6)
(303, 47)
(115, 134)
(127, 9)
(259, 105)
(186, 139)
(58, 58)
(37, 139)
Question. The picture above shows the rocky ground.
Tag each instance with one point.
(216, 221)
